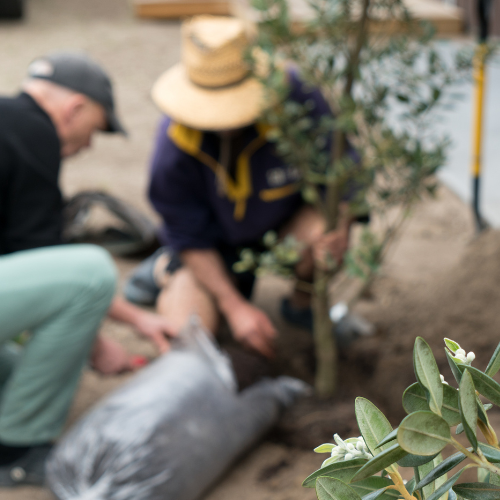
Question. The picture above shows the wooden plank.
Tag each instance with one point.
(167, 9)
(447, 19)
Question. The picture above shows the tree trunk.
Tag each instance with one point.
(325, 342)
(324, 338)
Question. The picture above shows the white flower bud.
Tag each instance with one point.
(345, 450)
(461, 356)
(443, 381)
(471, 357)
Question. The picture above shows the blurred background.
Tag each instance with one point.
(135, 50)
(137, 40)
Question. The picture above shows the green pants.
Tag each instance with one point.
(58, 294)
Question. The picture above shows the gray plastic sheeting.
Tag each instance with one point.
(170, 432)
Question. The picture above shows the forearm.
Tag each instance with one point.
(209, 270)
(124, 311)
(151, 326)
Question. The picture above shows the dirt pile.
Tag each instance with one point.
(462, 305)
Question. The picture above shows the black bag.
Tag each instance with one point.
(124, 230)
(171, 431)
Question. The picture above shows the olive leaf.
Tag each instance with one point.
(483, 475)
(481, 411)
(381, 494)
(456, 369)
(468, 408)
(373, 487)
(432, 486)
(414, 399)
(423, 433)
(344, 471)
(372, 423)
(494, 364)
(379, 462)
(444, 467)
(390, 437)
(410, 485)
(328, 488)
(445, 486)
(491, 453)
(415, 460)
(477, 491)
(494, 479)
(451, 345)
(423, 470)
(486, 386)
(427, 373)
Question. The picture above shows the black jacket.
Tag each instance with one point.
(30, 159)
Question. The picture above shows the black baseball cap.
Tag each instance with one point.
(78, 72)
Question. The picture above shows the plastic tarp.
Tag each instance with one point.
(171, 431)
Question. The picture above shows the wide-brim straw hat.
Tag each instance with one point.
(211, 89)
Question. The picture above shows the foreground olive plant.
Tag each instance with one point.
(379, 144)
(368, 467)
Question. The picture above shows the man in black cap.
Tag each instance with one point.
(65, 99)
(59, 293)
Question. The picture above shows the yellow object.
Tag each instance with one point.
(239, 190)
(479, 80)
(274, 194)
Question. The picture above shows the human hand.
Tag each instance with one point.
(331, 246)
(156, 329)
(109, 357)
(252, 328)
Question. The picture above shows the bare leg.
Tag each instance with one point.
(184, 296)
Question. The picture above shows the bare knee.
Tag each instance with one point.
(97, 267)
(307, 225)
(182, 297)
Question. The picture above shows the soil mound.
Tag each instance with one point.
(463, 304)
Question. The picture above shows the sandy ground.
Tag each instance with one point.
(432, 243)
(135, 53)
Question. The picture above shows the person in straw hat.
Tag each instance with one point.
(219, 186)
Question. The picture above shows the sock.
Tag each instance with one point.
(9, 454)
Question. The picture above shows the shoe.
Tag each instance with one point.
(348, 326)
(29, 470)
(141, 287)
